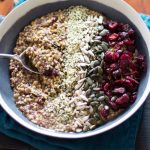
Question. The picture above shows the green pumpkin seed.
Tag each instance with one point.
(88, 92)
(89, 81)
(101, 98)
(104, 46)
(86, 86)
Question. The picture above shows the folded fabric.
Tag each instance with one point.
(120, 138)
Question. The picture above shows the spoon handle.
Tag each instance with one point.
(9, 56)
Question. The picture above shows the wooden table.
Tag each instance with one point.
(143, 138)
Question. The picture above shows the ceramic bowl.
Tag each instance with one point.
(26, 12)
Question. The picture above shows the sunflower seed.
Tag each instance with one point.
(86, 59)
(82, 80)
(104, 32)
(96, 89)
(84, 98)
(84, 51)
(91, 53)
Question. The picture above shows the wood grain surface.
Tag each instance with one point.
(142, 6)
(143, 138)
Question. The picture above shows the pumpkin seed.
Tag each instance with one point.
(104, 46)
(88, 92)
(101, 98)
(89, 81)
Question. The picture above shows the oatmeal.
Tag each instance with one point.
(90, 70)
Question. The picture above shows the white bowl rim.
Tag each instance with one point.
(94, 132)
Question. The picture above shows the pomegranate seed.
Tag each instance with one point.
(125, 60)
(113, 37)
(120, 90)
(133, 66)
(104, 113)
(112, 105)
(113, 25)
(123, 101)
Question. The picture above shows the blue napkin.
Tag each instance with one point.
(122, 137)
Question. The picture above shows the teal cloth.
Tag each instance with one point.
(122, 137)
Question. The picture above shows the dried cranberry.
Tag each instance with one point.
(112, 25)
(121, 43)
(133, 81)
(109, 94)
(114, 66)
(123, 35)
(123, 101)
(133, 66)
(119, 90)
(119, 82)
(112, 105)
(129, 42)
(133, 97)
(125, 60)
(131, 48)
(104, 113)
(140, 59)
(128, 84)
(106, 86)
(108, 56)
(113, 37)
(117, 74)
(131, 33)
(126, 27)
(115, 56)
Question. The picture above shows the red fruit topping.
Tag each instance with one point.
(114, 66)
(104, 113)
(126, 27)
(116, 74)
(131, 48)
(113, 25)
(106, 86)
(108, 56)
(140, 59)
(113, 37)
(123, 101)
(131, 32)
(112, 105)
(129, 42)
(109, 94)
(128, 84)
(123, 35)
(133, 97)
(125, 61)
(133, 81)
(120, 90)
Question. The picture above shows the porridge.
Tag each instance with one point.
(90, 70)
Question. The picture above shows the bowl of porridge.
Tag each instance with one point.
(93, 60)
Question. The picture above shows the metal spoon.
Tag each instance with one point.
(23, 61)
